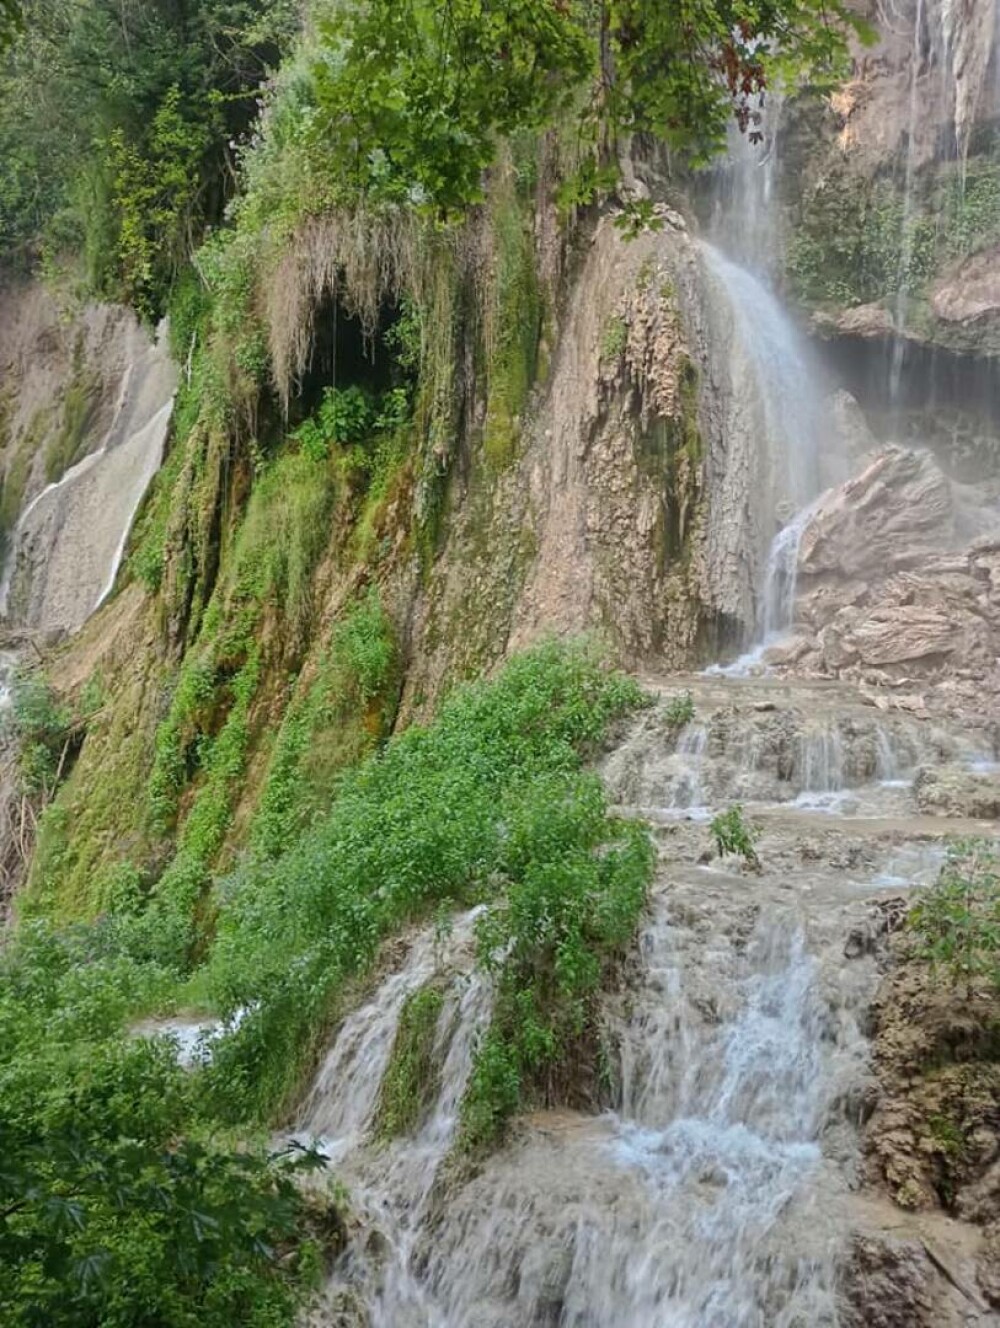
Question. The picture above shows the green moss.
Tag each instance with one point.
(614, 340)
(413, 1075)
(347, 709)
(79, 408)
(514, 324)
(18, 468)
(857, 240)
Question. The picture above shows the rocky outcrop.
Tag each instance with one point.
(971, 291)
(891, 516)
(934, 1138)
(953, 791)
(888, 592)
(646, 486)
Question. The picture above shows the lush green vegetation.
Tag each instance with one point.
(385, 178)
(121, 128)
(118, 1205)
(957, 921)
(679, 710)
(116, 125)
(347, 709)
(112, 1156)
(411, 1079)
(490, 802)
(858, 240)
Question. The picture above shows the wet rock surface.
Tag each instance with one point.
(751, 1161)
(898, 583)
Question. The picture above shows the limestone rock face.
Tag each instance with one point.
(888, 1284)
(970, 292)
(890, 587)
(85, 405)
(896, 511)
(953, 791)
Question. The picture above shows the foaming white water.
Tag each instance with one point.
(722, 1121)
(391, 1184)
(696, 1204)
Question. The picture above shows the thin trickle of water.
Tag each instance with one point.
(781, 578)
(688, 790)
(822, 759)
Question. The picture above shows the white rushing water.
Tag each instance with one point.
(723, 1123)
(785, 382)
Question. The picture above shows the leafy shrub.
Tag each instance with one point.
(957, 920)
(490, 799)
(734, 834)
(115, 1208)
(350, 417)
(679, 710)
(41, 726)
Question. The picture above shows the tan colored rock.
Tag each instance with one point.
(887, 1284)
(896, 510)
(970, 292)
(952, 791)
(864, 320)
(908, 632)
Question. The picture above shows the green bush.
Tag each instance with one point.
(42, 728)
(734, 834)
(957, 920)
(679, 710)
(490, 800)
(116, 1206)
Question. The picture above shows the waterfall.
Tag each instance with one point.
(777, 374)
(68, 544)
(701, 1202)
(779, 433)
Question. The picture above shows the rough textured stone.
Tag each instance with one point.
(896, 510)
(887, 1284)
(952, 791)
(971, 291)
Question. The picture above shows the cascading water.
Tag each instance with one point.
(778, 377)
(67, 547)
(777, 396)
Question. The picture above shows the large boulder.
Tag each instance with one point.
(891, 515)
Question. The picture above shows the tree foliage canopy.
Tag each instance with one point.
(120, 124)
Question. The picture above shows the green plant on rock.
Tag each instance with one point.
(412, 1077)
(957, 920)
(42, 726)
(679, 710)
(734, 835)
(346, 711)
(489, 800)
(614, 340)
